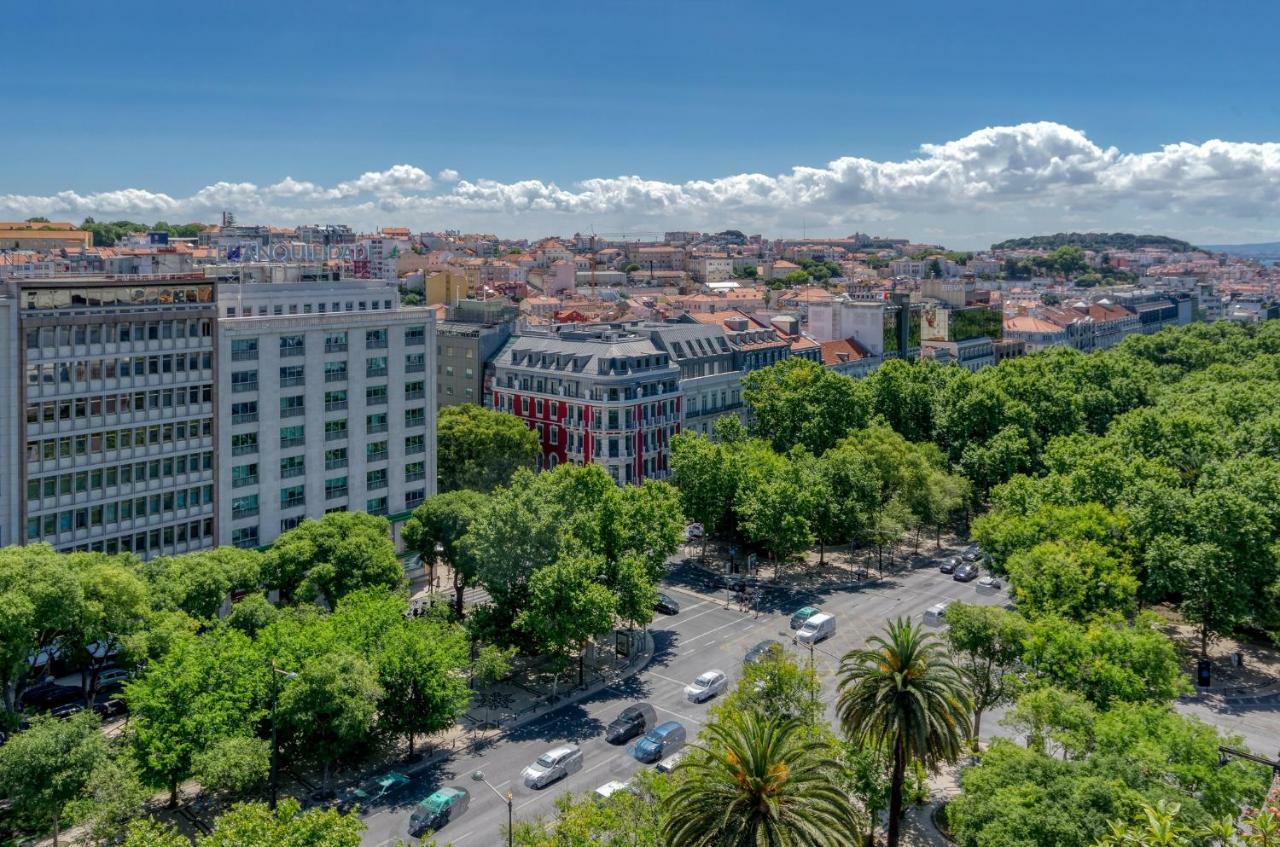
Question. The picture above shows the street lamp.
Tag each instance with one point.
(276, 673)
(478, 776)
(1226, 754)
(439, 552)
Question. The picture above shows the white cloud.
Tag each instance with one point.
(994, 182)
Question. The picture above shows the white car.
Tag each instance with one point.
(611, 788)
(668, 764)
(706, 686)
(554, 764)
(990, 583)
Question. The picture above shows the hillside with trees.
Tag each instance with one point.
(1095, 241)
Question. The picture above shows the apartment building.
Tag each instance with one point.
(710, 382)
(326, 402)
(603, 395)
(107, 413)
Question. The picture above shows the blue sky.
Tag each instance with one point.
(170, 102)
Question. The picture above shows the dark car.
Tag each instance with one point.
(949, 564)
(666, 604)
(966, 572)
(762, 651)
(49, 694)
(802, 615)
(738, 582)
(971, 553)
(636, 719)
(66, 710)
(431, 813)
(110, 708)
(374, 792)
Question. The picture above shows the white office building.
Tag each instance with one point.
(326, 402)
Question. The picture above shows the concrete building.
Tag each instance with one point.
(107, 414)
(713, 267)
(601, 395)
(465, 341)
(326, 402)
(43, 236)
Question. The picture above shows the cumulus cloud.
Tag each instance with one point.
(998, 180)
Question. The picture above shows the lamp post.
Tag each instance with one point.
(276, 673)
(813, 693)
(1225, 754)
(439, 551)
(478, 776)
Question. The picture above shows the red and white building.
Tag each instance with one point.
(602, 395)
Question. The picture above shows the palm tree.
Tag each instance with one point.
(760, 781)
(903, 695)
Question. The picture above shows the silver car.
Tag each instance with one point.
(706, 686)
(554, 764)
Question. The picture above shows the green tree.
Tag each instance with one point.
(1106, 660)
(235, 766)
(1077, 580)
(776, 686)
(444, 520)
(112, 798)
(800, 402)
(480, 449)
(40, 603)
(775, 514)
(759, 780)
(328, 710)
(630, 818)
(567, 606)
(330, 557)
(1051, 714)
(114, 607)
(903, 695)
(867, 779)
(420, 669)
(46, 767)
(701, 471)
(202, 690)
(987, 643)
(199, 583)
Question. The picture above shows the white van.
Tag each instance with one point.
(936, 615)
(817, 628)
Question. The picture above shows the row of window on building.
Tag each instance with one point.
(86, 409)
(49, 337)
(93, 446)
(52, 524)
(92, 370)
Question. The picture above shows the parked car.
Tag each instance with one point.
(693, 530)
(990, 583)
(802, 615)
(111, 708)
(636, 719)
(66, 710)
(936, 615)
(48, 694)
(611, 788)
(739, 582)
(762, 651)
(554, 764)
(706, 686)
(967, 572)
(660, 742)
(949, 564)
(113, 679)
(441, 807)
(666, 604)
(668, 764)
(972, 553)
(817, 628)
(375, 791)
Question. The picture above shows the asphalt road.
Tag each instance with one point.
(705, 635)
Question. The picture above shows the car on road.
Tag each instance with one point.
(764, 650)
(47, 694)
(949, 564)
(666, 604)
(990, 583)
(668, 764)
(936, 615)
(110, 708)
(374, 791)
(660, 742)
(693, 531)
(636, 719)
(802, 615)
(817, 628)
(440, 807)
(972, 553)
(706, 686)
(66, 710)
(967, 572)
(556, 763)
(611, 788)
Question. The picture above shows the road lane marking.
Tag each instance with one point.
(689, 718)
(666, 678)
(684, 643)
